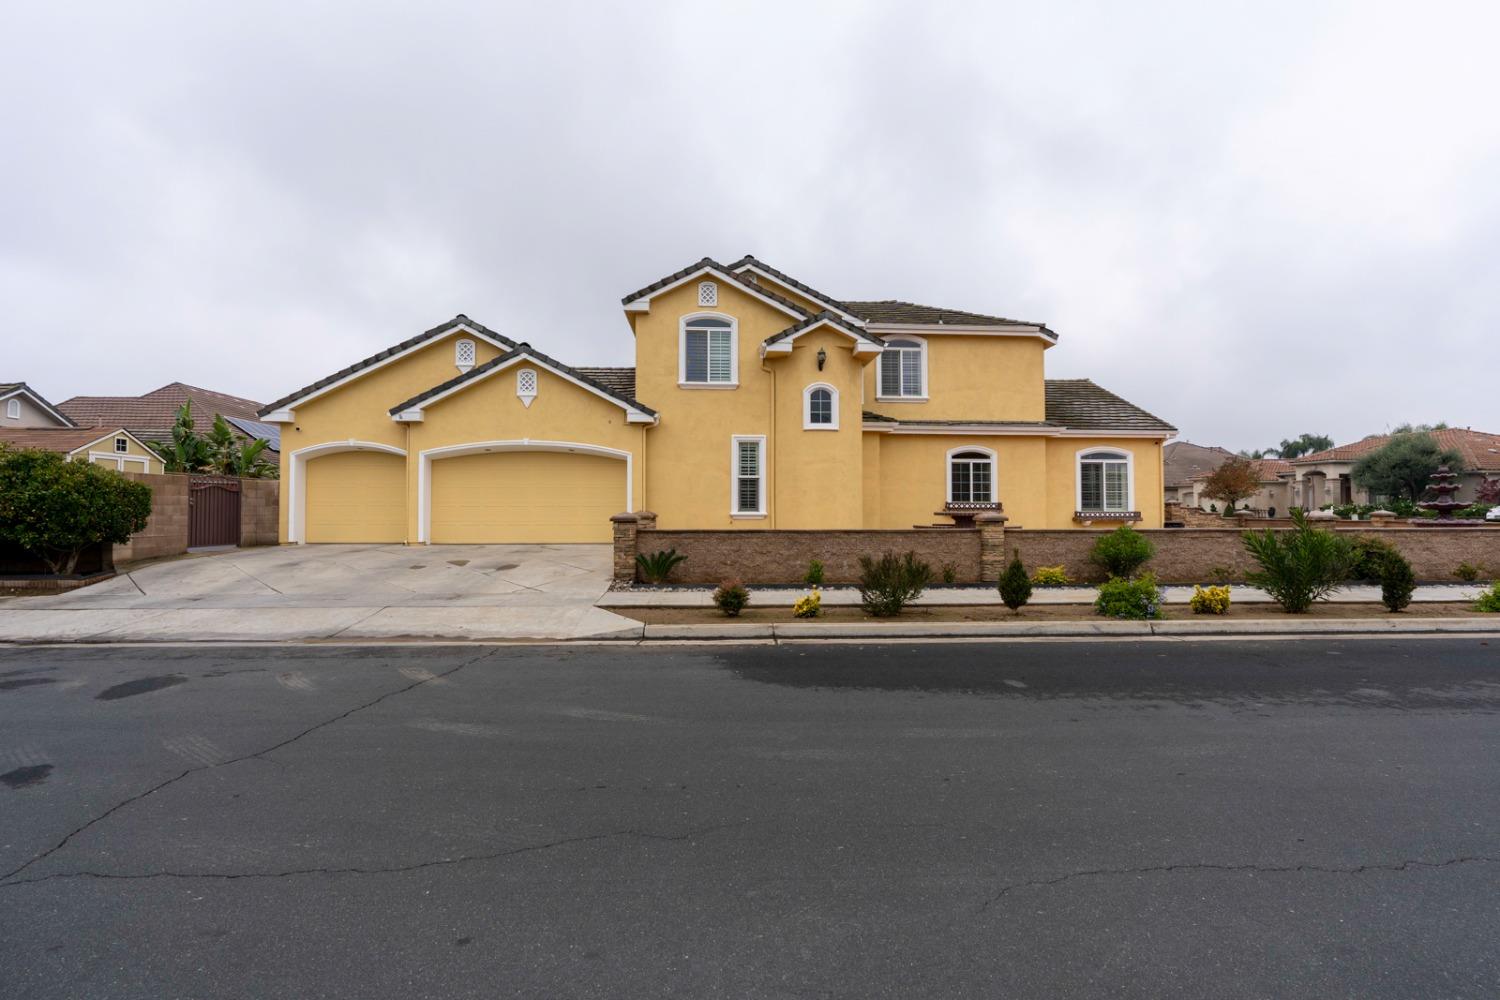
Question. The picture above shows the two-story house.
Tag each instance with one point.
(755, 401)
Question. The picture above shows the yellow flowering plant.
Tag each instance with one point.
(809, 606)
(1209, 600)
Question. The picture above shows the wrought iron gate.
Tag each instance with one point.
(213, 511)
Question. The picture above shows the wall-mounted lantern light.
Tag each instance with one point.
(822, 357)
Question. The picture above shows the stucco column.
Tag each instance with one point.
(991, 525)
(625, 526)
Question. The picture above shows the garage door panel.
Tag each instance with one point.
(356, 496)
(526, 497)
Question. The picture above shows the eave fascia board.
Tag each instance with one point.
(832, 307)
(966, 329)
(25, 390)
(642, 303)
(982, 430)
(415, 414)
(285, 415)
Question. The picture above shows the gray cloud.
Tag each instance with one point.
(1254, 222)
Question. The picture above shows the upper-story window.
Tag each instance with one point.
(971, 476)
(121, 445)
(1104, 481)
(708, 352)
(463, 355)
(903, 369)
(820, 407)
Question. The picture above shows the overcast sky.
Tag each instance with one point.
(1252, 220)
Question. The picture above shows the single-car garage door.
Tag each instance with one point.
(356, 496)
(526, 496)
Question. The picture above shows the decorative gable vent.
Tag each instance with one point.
(708, 293)
(463, 355)
(526, 385)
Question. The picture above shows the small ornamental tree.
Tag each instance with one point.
(1403, 466)
(1232, 482)
(55, 509)
(1015, 585)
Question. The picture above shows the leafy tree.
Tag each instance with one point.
(1299, 566)
(1403, 466)
(1410, 428)
(1306, 444)
(55, 509)
(1232, 482)
(187, 451)
(221, 451)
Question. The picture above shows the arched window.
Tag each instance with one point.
(708, 356)
(820, 407)
(971, 476)
(902, 370)
(1104, 482)
(463, 355)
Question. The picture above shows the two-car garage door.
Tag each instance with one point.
(487, 497)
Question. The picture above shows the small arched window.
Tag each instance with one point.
(903, 370)
(1104, 482)
(820, 407)
(13, 409)
(971, 476)
(463, 355)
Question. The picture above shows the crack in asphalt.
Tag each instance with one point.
(1398, 866)
(384, 869)
(5, 879)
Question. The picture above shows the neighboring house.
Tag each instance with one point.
(150, 416)
(1274, 498)
(116, 449)
(23, 406)
(755, 402)
(1182, 462)
(1326, 477)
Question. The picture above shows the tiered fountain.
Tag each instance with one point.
(1444, 484)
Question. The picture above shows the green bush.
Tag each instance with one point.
(1051, 576)
(1015, 585)
(1489, 600)
(1136, 599)
(1122, 551)
(731, 598)
(888, 584)
(656, 567)
(950, 574)
(55, 509)
(814, 575)
(1210, 600)
(1370, 556)
(1467, 572)
(1299, 566)
(1397, 581)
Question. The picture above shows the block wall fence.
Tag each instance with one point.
(978, 555)
(166, 533)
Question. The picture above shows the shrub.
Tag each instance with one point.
(1015, 585)
(1122, 551)
(1137, 599)
(1051, 576)
(950, 573)
(1467, 572)
(1213, 508)
(888, 584)
(1209, 600)
(656, 567)
(1370, 555)
(1221, 574)
(55, 509)
(814, 575)
(1299, 566)
(731, 598)
(1397, 582)
(1489, 600)
(809, 605)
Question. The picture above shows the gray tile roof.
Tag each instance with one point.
(1079, 404)
(830, 318)
(895, 311)
(723, 272)
(786, 279)
(621, 380)
(6, 388)
(441, 328)
(528, 351)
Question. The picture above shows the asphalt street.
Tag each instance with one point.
(1153, 819)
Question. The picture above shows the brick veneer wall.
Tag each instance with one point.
(260, 511)
(1190, 555)
(782, 556)
(166, 534)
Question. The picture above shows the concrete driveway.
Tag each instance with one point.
(337, 591)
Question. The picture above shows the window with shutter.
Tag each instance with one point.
(902, 372)
(708, 345)
(1104, 482)
(748, 476)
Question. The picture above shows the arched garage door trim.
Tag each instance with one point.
(296, 486)
(424, 468)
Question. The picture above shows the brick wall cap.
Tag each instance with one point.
(990, 517)
(625, 518)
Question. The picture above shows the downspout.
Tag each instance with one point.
(406, 447)
(770, 446)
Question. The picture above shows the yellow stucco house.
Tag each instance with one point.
(755, 402)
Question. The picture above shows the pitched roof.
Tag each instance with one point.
(442, 328)
(853, 330)
(1479, 450)
(524, 351)
(749, 261)
(709, 264)
(1183, 461)
(621, 380)
(1267, 470)
(12, 388)
(896, 311)
(1079, 404)
(151, 416)
(59, 439)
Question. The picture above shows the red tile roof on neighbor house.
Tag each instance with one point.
(1479, 450)
(63, 440)
(150, 416)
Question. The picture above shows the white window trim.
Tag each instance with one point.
(734, 475)
(1129, 458)
(13, 409)
(122, 441)
(734, 352)
(119, 460)
(807, 423)
(880, 361)
(994, 473)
